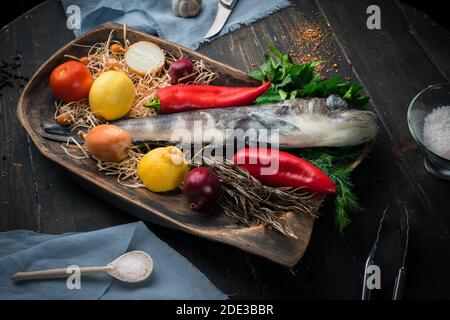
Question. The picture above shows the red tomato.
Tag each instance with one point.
(71, 81)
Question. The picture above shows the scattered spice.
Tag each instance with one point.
(309, 39)
(10, 72)
(313, 45)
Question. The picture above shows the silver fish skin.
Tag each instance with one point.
(300, 123)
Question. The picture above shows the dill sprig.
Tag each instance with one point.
(336, 163)
(346, 201)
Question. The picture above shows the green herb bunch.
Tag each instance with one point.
(290, 81)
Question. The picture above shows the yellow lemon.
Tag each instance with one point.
(112, 95)
(163, 169)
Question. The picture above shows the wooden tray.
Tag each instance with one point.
(36, 107)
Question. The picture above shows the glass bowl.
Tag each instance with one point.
(423, 104)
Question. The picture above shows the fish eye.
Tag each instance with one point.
(334, 102)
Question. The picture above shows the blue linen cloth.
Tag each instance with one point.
(156, 17)
(173, 276)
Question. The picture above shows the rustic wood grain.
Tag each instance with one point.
(432, 37)
(393, 68)
(332, 266)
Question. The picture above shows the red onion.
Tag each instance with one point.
(202, 187)
(180, 70)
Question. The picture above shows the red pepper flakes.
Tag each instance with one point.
(313, 45)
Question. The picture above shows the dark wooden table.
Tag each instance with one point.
(409, 53)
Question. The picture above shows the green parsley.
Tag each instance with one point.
(290, 80)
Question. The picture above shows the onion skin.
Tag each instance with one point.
(202, 188)
(108, 143)
(180, 70)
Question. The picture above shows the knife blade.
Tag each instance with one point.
(224, 9)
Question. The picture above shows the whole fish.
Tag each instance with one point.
(298, 123)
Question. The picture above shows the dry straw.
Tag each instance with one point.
(246, 201)
(102, 59)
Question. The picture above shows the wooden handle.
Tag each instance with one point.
(57, 273)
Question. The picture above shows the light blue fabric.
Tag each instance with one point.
(173, 276)
(156, 17)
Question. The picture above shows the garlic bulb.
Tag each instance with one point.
(186, 8)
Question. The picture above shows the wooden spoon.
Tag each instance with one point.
(133, 266)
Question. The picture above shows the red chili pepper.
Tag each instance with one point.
(281, 169)
(185, 97)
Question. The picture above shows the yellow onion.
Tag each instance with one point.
(109, 143)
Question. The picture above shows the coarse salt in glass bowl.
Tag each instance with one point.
(421, 106)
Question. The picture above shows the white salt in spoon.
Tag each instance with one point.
(133, 266)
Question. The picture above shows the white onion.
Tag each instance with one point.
(144, 58)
